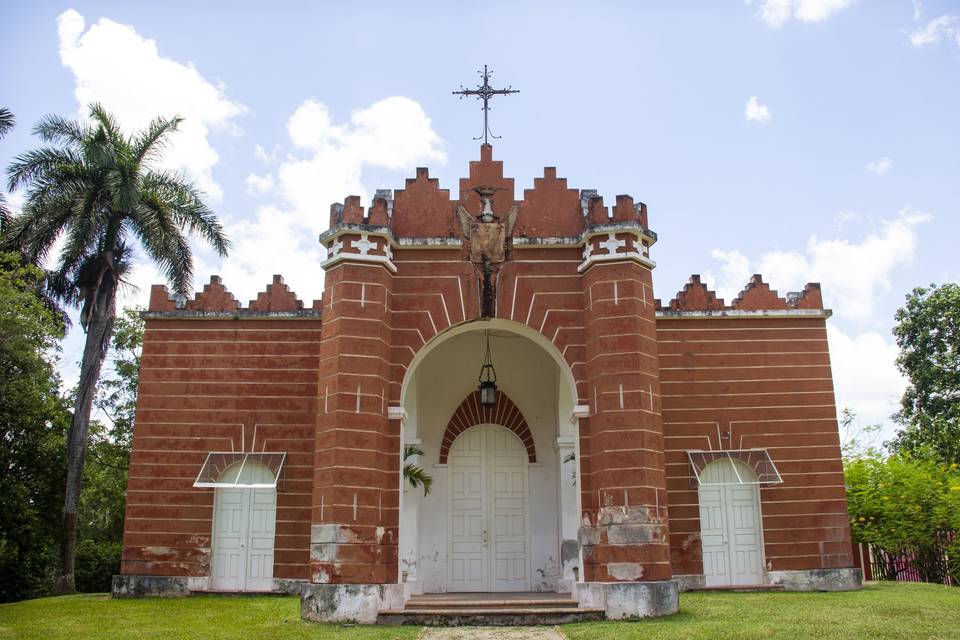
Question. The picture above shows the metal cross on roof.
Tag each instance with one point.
(485, 92)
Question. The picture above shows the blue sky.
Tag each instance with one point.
(803, 139)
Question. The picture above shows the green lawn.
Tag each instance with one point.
(878, 611)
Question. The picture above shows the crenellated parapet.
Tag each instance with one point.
(422, 215)
(695, 299)
(216, 301)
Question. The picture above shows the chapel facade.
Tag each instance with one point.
(626, 450)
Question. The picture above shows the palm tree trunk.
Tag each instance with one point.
(99, 332)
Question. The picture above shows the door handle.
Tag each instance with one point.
(483, 538)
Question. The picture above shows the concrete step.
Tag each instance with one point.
(514, 603)
(489, 616)
(747, 588)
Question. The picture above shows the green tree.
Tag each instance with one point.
(928, 333)
(103, 496)
(33, 421)
(905, 505)
(98, 189)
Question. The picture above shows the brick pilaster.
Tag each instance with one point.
(355, 524)
(624, 529)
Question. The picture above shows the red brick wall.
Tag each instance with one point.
(200, 380)
(765, 381)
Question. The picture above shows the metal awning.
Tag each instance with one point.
(757, 460)
(233, 469)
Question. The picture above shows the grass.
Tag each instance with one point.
(878, 611)
(85, 616)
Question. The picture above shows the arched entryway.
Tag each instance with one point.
(489, 546)
(731, 528)
(534, 435)
(244, 528)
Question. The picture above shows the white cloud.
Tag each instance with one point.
(116, 66)
(881, 166)
(865, 375)
(393, 133)
(776, 13)
(755, 111)
(259, 184)
(946, 26)
(325, 162)
(852, 273)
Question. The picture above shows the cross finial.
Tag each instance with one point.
(485, 92)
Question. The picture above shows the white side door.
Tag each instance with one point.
(730, 526)
(262, 531)
(467, 550)
(244, 525)
(228, 572)
(746, 546)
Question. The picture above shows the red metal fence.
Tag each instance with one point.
(932, 564)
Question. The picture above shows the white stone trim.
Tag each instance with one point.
(612, 257)
(745, 313)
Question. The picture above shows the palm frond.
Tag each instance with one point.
(59, 130)
(153, 140)
(52, 162)
(410, 450)
(6, 121)
(187, 208)
(417, 477)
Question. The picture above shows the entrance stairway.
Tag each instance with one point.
(489, 609)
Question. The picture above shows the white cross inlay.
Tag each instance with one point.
(363, 244)
(611, 244)
(387, 250)
(588, 249)
(335, 248)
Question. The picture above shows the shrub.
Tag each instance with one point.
(97, 563)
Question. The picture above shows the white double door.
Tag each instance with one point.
(730, 525)
(489, 548)
(244, 526)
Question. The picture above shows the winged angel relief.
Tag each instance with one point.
(487, 236)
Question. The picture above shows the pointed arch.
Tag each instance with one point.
(470, 413)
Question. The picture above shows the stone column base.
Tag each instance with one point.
(818, 579)
(149, 586)
(626, 600)
(357, 603)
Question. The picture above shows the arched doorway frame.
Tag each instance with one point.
(248, 499)
(568, 414)
(488, 456)
(725, 488)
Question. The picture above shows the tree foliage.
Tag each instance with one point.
(413, 474)
(103, 498)
(33, 420)
(928, 333)
(94, 193)
(906, 505)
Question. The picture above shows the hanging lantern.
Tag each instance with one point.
(488, 379)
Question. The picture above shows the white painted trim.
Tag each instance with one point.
(745, 313)
(633, 255)
(358, 257)
(580, 411)
(398, 413)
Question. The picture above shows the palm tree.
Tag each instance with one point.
(98, 190)
(6, 123)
